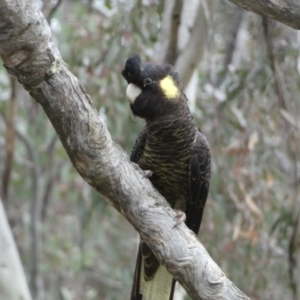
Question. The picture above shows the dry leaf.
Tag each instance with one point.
(253, 207)
(253, 139)
(269, 180)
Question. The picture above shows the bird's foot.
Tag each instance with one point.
(148, 173)
(180, 217)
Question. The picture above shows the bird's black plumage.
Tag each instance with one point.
(171, 146)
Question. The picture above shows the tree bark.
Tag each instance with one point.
(284, 11)
(28, 52)
(13, 285)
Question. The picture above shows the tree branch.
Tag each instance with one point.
(36, 283)
(188, 59)
(50, 170)
(28, 52)
(273, 63)
(236, 20)
(284, 11)
(171, 52)
(49, 9)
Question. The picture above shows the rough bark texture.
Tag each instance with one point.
(284, 11)
(13, 285)
(28, 52)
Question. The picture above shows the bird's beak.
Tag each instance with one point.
(132, 92)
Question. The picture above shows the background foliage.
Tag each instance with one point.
(247, 106)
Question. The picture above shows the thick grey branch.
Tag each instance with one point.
(284, 11)
(28, 52)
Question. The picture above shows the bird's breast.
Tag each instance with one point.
(167, 155)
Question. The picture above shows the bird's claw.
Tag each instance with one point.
(180, 217)
(148, 173)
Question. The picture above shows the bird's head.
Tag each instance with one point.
(153, 90)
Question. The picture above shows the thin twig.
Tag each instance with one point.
(49, 10)
(236, 21)
(35, 280)
(273, 63)
(53, 10)
(188, 60)
(171, 53)
(49, 183)
(10, 137)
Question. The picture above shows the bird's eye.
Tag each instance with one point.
(147, 81)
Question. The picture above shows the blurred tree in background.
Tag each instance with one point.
(243, 91)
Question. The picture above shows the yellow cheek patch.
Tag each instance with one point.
(169, 87)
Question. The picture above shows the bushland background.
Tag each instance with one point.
(242, 77)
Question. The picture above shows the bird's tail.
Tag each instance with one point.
(160, 287)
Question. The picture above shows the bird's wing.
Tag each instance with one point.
(199, 182)
(138, 146)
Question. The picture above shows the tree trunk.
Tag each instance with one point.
(13, 285)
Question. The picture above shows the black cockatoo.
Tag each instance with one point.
(174, 151)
